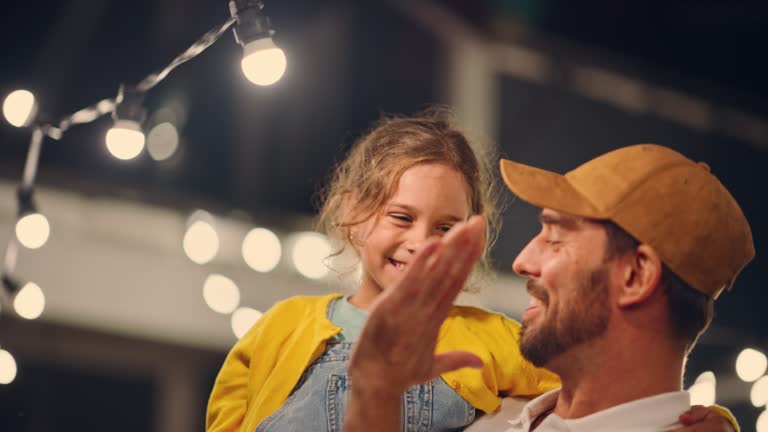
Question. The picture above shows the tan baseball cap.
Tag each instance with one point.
(661, 198)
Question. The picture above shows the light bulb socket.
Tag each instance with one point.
(129, 105)
(258, 45)
(26, 201)
(127, 124)
(10, 284)
(252, 23)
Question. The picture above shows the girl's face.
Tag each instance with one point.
(428, 200)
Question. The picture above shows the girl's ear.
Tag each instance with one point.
(348, 207)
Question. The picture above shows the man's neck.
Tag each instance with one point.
(622, 372)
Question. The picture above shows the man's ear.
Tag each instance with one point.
(641, 276)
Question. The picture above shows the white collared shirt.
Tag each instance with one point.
(651, 414)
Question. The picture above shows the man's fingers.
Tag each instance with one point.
(428, 273)
(695, 414)
(453, 360)
(417, 268)
(463, 261)
(423, 256)
(704, 419)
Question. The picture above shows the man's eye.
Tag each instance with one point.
(553, 242)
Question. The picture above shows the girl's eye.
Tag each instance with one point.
(400, 217)
(444, 228)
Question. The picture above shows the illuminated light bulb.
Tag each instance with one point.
(703, 389)
(29, 302)
(125, 140)
(310, 249)
(263, 62)
(221, 294)
(19, 108)
(261, 250)
(759, 393)
(243, 319)
(33, 230)
(7, 367)
(162, 141)
(751, 364)
(201, 243)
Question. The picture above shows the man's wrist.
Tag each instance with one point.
(373, 406)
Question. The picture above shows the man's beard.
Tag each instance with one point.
(569, 326)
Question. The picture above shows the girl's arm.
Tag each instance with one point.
(241, 373)
(228, 400)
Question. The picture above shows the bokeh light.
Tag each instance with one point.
(221, 294)
(759, 393)
(762, 422)
(7, 367)
(19, 107)
(261, 250)
(309, 251)
(162, 141)
(29, 302)
(33, 230)
(703, 390)
(243, 319)
(201, 242)
(751, 364)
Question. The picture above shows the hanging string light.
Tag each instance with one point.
(28, 300)
(32, 231)
(20, 108)
(125, 140)
(32, 228)
(263, 62)
(7, 367)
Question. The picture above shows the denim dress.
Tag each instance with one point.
(319, 400)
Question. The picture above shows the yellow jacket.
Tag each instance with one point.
(262, 369)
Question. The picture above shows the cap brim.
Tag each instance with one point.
(546, 189)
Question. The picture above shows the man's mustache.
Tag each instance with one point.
(536, 290)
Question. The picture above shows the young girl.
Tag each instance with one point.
(405, 181)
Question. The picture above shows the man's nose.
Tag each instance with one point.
(526, 262)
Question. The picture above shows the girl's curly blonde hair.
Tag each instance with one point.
(369, 174)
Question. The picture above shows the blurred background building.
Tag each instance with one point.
(156, 264)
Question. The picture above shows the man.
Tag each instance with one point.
(635, 245)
